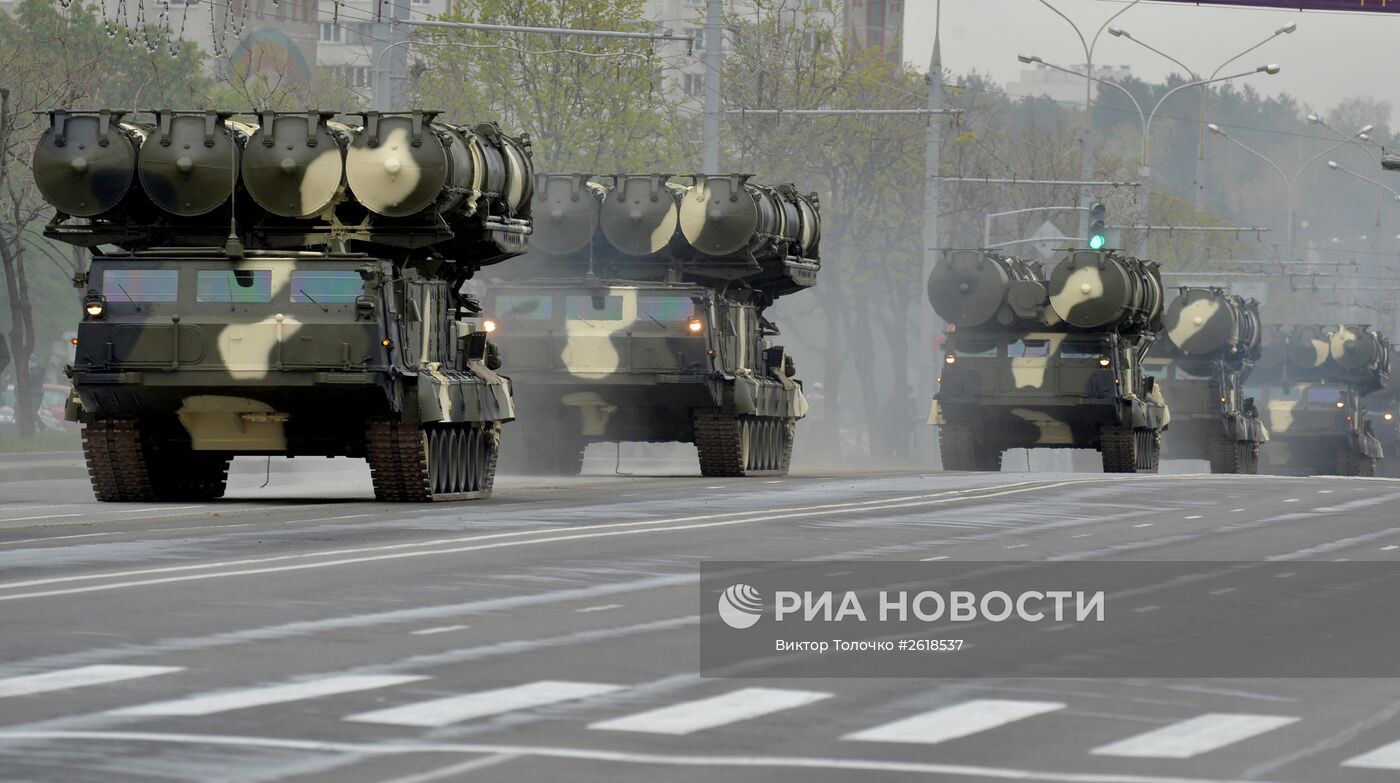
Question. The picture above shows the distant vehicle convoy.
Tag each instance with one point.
(1087, 357)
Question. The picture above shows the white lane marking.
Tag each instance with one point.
(1285, 575)
(1144, 524)
(1195, 516)
(1082, 535)
(325, 519)
(1190, 738)
(453, 770)
(78, 678)
(383, 750)
(959, 720)
(47, 516)
(242, 698)
(439, 629)
(1390, 548)
(129, 532)
(1291, 500)
(650, 526)
(1146, 609)
(931, 559)
(1016, 546)
(1384, 757)
(1324, 492)
(692, 716)
(1222, 591)
(601, 608)
(714, 487)
(1236, 510)
(436, 713)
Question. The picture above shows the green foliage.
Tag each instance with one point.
(589, 104)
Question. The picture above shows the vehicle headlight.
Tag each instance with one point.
(94, 306)
(950, 359)
(488, 325)
(1389, 417)
(695, 326)
(1341, 405)
(1104, 361)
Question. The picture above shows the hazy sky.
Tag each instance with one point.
(1331, 56)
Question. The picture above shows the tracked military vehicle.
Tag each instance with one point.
(639, 316)
(1036, 361)
(1209, 344)
(1309, 384)
(284, 286)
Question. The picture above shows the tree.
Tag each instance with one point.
(55, 56)
(589, 104)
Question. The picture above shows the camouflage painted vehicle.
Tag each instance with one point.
(1037, 362)
(1209, 344)
(289, 287)
(639, 316)
(1309, 384)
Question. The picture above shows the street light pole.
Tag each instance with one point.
(1087, 140)
(1145, 168)
(1292, 181)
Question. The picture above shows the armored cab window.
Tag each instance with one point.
(227, 285)
(1029, 349)
(1081, 349)
(968, 345)
(525, 307)
(326, 286)
(141, 285)
(665, 308)
(1330, 394)
(593, 307)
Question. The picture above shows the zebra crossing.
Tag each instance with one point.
(1187, 738)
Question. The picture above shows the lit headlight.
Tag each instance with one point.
(1341, 405)
(1104, 361)
(695, 326)
(488, 325)
(94, 306)
(1389, 417)
(951, 358)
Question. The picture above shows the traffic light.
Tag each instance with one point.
(1098, 226)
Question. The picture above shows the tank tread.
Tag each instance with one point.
(1224, 456)
(743, 446)
(414, 464)
(124, 467)
(1126, 450)
(960, 450)
(116, 461)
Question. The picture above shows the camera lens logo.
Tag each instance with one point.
(740, 606)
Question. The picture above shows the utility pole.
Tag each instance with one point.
(714, 41)
(390, 56)
(925, 359)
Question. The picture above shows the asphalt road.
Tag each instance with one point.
(303, 632)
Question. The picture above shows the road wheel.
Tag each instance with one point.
(1149, 451)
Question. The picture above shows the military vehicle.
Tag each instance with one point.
(1047, 362)
(285, 286)
(1209, 344)
(639, 316)
(1309, 382)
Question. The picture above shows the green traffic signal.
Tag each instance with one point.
(1097, 241)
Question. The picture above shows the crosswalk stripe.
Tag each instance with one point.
(1190, 738)
(455, 709)
(692, 716)
(1384, 757)
(78, 678)
(242, 698)
(959, 720)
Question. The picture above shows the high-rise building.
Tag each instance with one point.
(877, 23)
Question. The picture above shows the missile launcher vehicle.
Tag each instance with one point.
(285, 286)
(1037, 361)
(1310, 383)
(639, 316)
(1209, 344)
